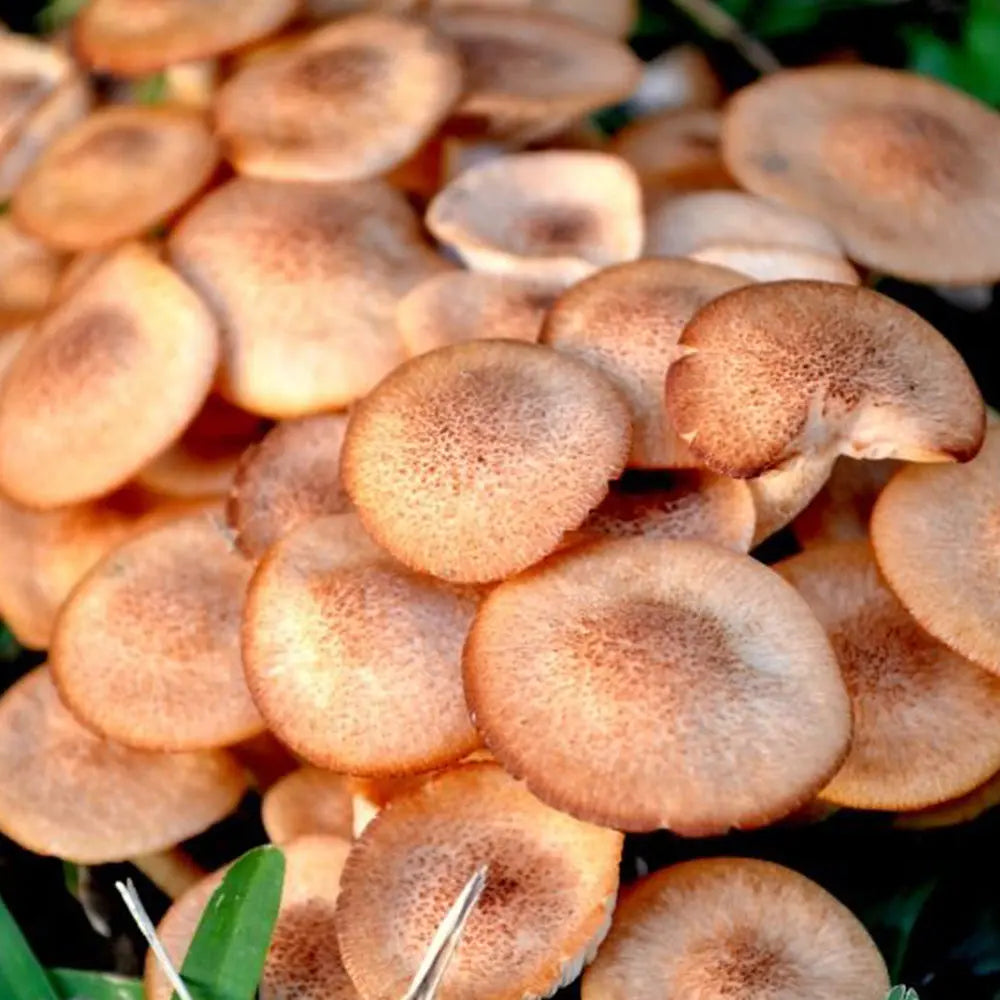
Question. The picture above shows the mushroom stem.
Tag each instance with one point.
(170, 870)
(719, 23)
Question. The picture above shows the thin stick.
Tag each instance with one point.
(171, 870)
(721, 24)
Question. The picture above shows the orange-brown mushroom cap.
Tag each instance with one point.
(116, 174)
(308, 800)
(735, 927)
(924, 717)
(612, 17)
(109, 378)
(935, 532)
(472, 461)
(774, 262)
(646, 683)
(354, 660)
(351, 100)
(550, 887)
(794, 368)
(903, 168)
(28, 273)
(67, 792)
(626, 321)
(30, 70)
(557, 214)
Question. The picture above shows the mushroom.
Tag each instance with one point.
(680, 79)
(626, 321)
(307, 801)
(735, 927)
(963, 809)
(350, 100)
(702, 691)
(305, 279)
(353, 660)
(557, 215)
(903, 168)
(781, 494)
(109, 378)
(114, 175)
(924, 717)
(550, 888)
(789, 368)
(472, 461)
(610, 17)
(66, 792)
(28, 274)
(30, 70)
(774, 262)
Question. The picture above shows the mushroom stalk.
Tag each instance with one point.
(719, 23)
(171, 870)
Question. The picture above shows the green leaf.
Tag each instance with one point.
(73, 984)
(21, 977)
(226, 956)
(150, 89)
(57, 14)
(901, 993)
(892, 920)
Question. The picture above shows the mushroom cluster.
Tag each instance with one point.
(376, 433)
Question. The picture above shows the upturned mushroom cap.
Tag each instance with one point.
(351, 100)
(734, 927)
(30, 70)
(353, 660)
(555, 214)
(794, 368)
(550, 887)
(935, 536)
(904, 169)
(626, 322)
(924, 717)
(146, 650)
(305, 278)
(115, 175)
(781, 494)
(67, 792)
(28, 273)
(134, 37)
(467, 305)
(703, 693)
(108, 379)
(307, 801)
(773, 262)
(472, 461)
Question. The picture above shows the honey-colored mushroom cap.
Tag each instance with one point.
(612, 17)
(307, 801)
(28, 274)
(775, 262)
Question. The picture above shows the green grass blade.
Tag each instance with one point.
(73, 984)
(226, 957)
(21, 977)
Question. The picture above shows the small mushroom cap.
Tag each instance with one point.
(935, 536)
(30, 70)
(306, 278)
(115, 175)
(735, 927)
(773, 262)
(793, 368)
(28, 273)
(550, 885)
(924, 717)
(468, 305)
(678, 225)
(704, 694)
(307, 801)
(626, 321)
(555, 214)
(147, 649)
(135, 37)
(904, 169)
(67, 792)
(472, 461)
(351, 100)
(781, 494)
(110, 377)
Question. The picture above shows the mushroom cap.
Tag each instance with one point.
(935, 537)
(550, 886)
(30, 70)
(703, 693)
(687, 504)
(774, 262)
(472, 461)
(306, 801)
(305, 278)
(679, 79)
(354, 660)
(351, 100)
(109, 378)
(626, 321)
(964, 809)
(924, 717)
(469, 305)
(721, 927)
(611, 17)
(793, 368)
(781, 494)
(134, 37)
(67, 792)
(903, 168)
(146, 650)
(28, 274)
(555, 214)
(680, 224)
(114, 175)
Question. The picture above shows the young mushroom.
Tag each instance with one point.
(307, 801)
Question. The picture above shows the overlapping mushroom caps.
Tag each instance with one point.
(28, 274)
(550, 888)
(307, 801)
(30, 70)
